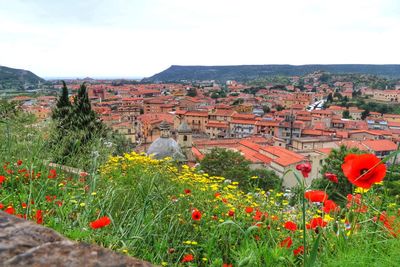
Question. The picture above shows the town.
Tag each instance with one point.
(275, 127)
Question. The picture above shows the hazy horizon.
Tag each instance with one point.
(139, 39)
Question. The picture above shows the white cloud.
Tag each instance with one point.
(124, 38)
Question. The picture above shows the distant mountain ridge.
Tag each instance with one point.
(249, 72)
(17, 79)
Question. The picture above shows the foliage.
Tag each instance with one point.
(63, 106)
(337, 191)
(346, 114)
(192, 92)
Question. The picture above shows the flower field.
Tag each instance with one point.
(178, 216)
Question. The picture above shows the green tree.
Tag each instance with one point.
(266, 179)
(280, 108)
(329, 99)
(333, 164)
(346, 114)
(364, 114)
(63, 106)
(192, 92)
(266, 109)
(227, 163)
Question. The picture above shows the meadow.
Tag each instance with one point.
(173, 215)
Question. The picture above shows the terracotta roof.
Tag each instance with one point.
(380, 145)
(283, 156)
(217, 124)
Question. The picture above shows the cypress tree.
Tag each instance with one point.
(63, 106)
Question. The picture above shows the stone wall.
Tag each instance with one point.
(25, 243)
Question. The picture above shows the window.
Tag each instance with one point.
(185, 138)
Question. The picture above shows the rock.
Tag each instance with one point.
(25, 243)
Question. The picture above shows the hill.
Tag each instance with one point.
(17, 79)
(250, 72)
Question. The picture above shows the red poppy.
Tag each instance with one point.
(101, 222)
(1, 206)
(217, 195)
(227, 265)
(249, 210)
(291, 226)
(351, 200)
(196, 215)
(2, 179)
(316, 222)
(23, 205)
(286, 243)
(59, 203)
(299, 250)
(187, 258)
(53, 174)
(10, 210)
(39, 217)
(363, 170)
(316, 195)
(187, 191)
(258, 215)
(231, 213)
(305, 169)
(19, 162)
(331, 177)
(330, 205)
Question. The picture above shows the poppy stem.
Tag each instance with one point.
(304, 221)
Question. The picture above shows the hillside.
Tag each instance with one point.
(17, 79)
(249, 72)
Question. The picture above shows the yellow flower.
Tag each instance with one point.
(125, 251)
(360, 190)
(93, 193)
(164, 263)
(204, 259)
(328, 218)
(82, 204)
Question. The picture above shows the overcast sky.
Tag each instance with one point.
(125, 38)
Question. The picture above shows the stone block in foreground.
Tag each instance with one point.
(25, 243)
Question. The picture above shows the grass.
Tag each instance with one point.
(150, 204)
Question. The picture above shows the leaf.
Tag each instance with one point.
(313, 254)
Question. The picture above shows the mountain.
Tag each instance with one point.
(17, 79)
(250, 72)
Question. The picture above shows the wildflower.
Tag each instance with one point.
(217, 194)
(187, 191)
(187, 258)
(305, 169)
(1, 206)
(24, 205)
(299, 250)
(10, 210)
(258, 215)
(227, 265)
(330, 205)
(2, 179)
(53, 174)
(231, 213)
(164, 263)
(286, 243)
(291, 226)
(363, 170)
(196, 215)
(82, 204)
(39, 217)
(59, 203)
(93, 193)
(360, 190)
(316, 222)
(101, 222)
(331, 177)
(316, 195)
(19, 162)
(248, 210)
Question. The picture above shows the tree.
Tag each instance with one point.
(192, 92)
(266, 179)
(266, 109)
(63, 106)
(364, 114)
(329, 99)
(227, 163)
(333, 164)
(346, 114)
(280, 108)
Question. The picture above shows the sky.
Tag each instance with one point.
(138, 38)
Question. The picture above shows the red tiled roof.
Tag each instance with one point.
(380, 145)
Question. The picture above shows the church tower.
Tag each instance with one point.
(185, 140)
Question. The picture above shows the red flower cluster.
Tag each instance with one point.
(331, 177)
(101, 222)
(316, 222)
(2, 179)
(286, 243)
(316, 195)
(291, 226)
(187, 258)
(52, 174)
(305, 169)
(196, 215)
(363, 170)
